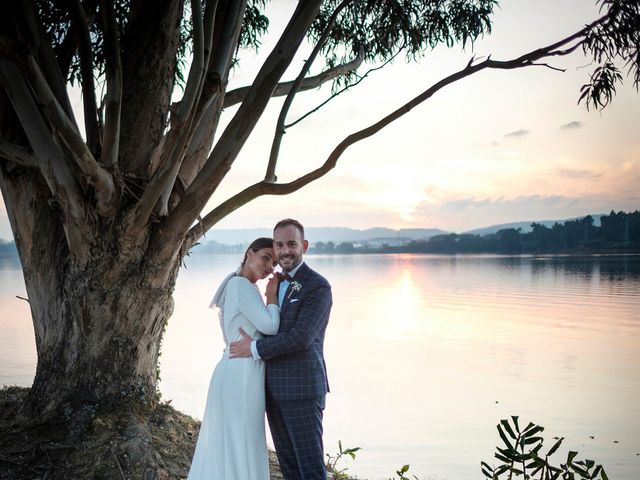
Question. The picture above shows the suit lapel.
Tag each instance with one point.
(300, 276)
(285, 301)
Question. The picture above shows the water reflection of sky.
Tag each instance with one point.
(426, 354)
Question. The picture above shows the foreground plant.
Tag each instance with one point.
(332, 461)
(401, 473)
(522, 456)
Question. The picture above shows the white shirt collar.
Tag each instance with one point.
(292, 273)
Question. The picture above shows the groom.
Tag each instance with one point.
(296, 375)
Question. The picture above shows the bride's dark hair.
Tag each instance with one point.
(258, 244)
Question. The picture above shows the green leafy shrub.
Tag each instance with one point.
(522, 455)
(332, 461)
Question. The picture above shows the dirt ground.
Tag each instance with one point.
(155, 445)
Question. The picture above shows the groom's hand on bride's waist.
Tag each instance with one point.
(241, 348)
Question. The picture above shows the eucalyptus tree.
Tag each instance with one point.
(103, 216)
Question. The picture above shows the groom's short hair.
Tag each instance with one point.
(290, 221)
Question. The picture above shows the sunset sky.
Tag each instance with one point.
(498, 147)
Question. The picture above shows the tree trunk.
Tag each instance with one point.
(97, 328)
(102, 337)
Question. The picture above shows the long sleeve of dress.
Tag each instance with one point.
(266, 318)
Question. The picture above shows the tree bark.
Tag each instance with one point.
(97, 327)
(98, 324)
(148, 65)
(99, 340)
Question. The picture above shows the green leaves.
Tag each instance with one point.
(400, 473)
(504, 437)
(613, 41)
(487, 470)
(351, 452)
(507, 427)
(332, 461)
(384, 28)
(521, 457)
(602, 88)
(555, 447)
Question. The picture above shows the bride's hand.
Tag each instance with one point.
(271, 291)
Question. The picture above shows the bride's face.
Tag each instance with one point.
(261, 263)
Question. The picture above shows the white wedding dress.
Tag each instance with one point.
(232, 444)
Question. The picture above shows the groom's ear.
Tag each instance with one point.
(305, 245)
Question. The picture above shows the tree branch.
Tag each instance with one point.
(66, 50)
(550, 67)
(225, 36)
(163, 179)
(188, 107)
(113, 98)
(197, 69)
(99, 178)
(344, 89)
(44, 54)
(238, 95)
(86, 70)
(270, 175)
(201, 139)
(268, 188)
(241, 125)
(18, 154)
(149, 45)
(51, 161)
(227, 32)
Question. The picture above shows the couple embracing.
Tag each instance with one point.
(273, 361)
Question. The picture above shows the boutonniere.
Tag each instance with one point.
(295, 287)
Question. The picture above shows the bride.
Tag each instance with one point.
(231, 444)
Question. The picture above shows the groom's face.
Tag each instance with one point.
(289, 246)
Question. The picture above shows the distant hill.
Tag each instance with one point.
(321, 234)
(525, 227)
(228, 240)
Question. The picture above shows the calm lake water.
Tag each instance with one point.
(427, 353)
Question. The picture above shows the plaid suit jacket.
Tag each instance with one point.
(294, 357)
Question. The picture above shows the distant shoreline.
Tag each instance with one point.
(615, 233)
(633, 250)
